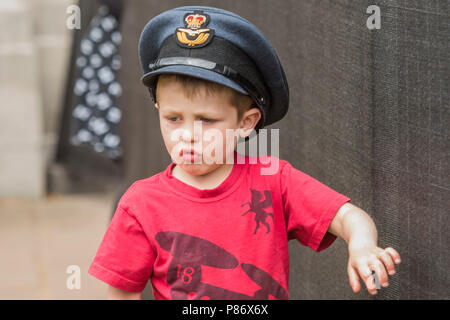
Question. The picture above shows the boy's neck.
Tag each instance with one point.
(210, 180)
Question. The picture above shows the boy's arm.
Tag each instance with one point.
(119, 294)
(356, 227)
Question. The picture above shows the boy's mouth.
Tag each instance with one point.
(190, 155)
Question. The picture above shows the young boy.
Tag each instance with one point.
(208, 227)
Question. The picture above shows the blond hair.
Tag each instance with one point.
(191, 87)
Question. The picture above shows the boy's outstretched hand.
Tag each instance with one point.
(356, 227)
(366, 259)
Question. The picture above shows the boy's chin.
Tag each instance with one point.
(198, 168)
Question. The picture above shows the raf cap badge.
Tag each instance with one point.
(194, 35)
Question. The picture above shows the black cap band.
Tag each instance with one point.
(216, 67)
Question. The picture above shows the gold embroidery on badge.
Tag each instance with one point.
(193, 35)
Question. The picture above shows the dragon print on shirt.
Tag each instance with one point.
(257, 206)
(184, 276)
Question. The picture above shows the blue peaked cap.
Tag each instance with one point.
(216, 45)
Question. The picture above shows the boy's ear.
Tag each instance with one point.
(156, 105)
(249, 121)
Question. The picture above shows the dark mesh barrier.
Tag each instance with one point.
(411, 122)
(369, 116)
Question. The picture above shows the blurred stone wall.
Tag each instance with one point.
(34, 52)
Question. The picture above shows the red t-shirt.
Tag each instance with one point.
(230, 242)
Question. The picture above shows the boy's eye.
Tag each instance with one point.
(173, 119)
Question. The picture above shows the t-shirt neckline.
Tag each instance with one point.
(226, 187)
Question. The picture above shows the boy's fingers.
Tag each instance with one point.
(366, 275)
(353, 278)
(380, 271)
(394, 254)
(387, 260)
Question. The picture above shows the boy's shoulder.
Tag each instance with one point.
(141, 189)
(266, 164)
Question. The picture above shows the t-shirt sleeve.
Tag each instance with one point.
(309, 208)
(125, 257)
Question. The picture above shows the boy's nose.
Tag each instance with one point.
(192, 131)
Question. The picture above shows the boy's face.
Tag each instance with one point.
(200, 123)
